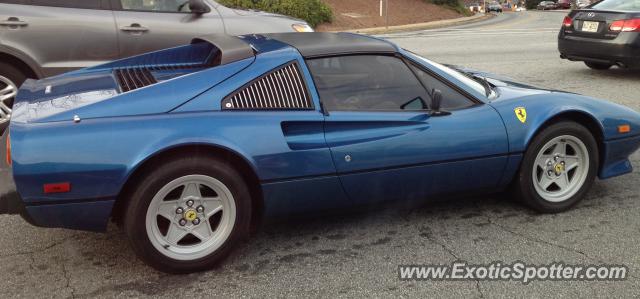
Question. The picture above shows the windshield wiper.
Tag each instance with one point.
(487, 86)
(488, 89)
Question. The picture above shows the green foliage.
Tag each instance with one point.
(313, 11)
(532, 4)
(453, 4)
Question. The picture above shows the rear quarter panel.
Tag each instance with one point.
(98, 155)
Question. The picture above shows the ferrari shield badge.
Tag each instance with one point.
(521, 114)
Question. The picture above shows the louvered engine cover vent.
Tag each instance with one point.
(283, 88)
(134, 78)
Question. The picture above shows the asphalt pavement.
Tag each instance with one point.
(356, 254)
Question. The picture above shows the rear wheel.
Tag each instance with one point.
(558, 168)
(187, 215)
(598, 66)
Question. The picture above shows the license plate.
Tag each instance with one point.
(590, 26)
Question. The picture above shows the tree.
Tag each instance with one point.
(532, 4)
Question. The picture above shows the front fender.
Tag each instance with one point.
(541, 108)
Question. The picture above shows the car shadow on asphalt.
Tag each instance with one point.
(614, 72)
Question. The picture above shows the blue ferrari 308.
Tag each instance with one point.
(187, 147)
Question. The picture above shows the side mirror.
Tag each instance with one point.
(436, 101)
(198, 7)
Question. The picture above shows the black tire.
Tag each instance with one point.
(524, 184)
(598, 66)
(153, 181)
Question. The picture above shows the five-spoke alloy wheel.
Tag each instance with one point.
(191, 217)
(561, 168)
(558, 167)
(188, 213)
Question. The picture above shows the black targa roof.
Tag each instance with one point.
(314, 44)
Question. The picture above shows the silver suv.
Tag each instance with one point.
(41, 38)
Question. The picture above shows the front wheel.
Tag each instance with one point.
(558, 168)
(187, 215)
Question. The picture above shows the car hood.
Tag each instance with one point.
(507, 88)
(544, 103)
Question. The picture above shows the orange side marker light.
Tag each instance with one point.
(624, 129)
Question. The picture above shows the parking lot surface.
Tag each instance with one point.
(357, 253)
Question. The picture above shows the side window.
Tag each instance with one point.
(156, 5)
(86, 4)
(451, 99)
(367, 82)
(14, 1)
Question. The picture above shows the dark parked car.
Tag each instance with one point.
(604, 34)
(547, 5)
(41, 38)
(494, 7)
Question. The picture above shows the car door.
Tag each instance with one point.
(60, 35)
(386, 144)
(150, 25)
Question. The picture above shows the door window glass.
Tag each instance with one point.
(87, 4)
(451, 99)
(156, 5)
(14, 1)
(367, 82)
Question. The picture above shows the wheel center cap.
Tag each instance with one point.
(559, 168)
(190, 215)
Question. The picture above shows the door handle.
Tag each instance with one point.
(134, 28)
(13, 23)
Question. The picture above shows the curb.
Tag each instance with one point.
(554, 10)
(421, 26)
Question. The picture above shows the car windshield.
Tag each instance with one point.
(633, 5)
(480, 88)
